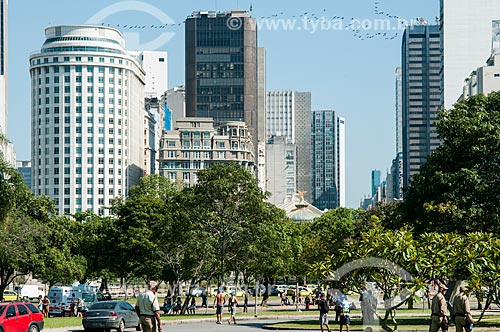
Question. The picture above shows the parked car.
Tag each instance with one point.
(20, 317)
(9, 296)
(114, 314)
(302, 291)
(262, 290)
(198, 291)
(238, 292)
(278, 289)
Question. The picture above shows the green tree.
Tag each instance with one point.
(58, 257)
(139, 230)
(458, 189)
(19, 233)
(228, 203)
(329, 232)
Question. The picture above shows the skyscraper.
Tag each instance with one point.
(221, 68)
(466, 40)
(281, 169)
(3, 66)
(6, 149)
(154, 64)
(421, 95)
(261, 119)
(288, 114)
(376, 181)
(399, 110)
(87, 96)
(328, 154)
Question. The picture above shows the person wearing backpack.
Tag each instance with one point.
(323, 312)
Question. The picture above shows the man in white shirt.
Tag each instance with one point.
(148, 309)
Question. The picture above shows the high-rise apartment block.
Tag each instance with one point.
(421, 95)
(288, 114)
(466, 31)
(328, 155)
(87, 114)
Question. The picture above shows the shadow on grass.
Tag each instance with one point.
(404, 324)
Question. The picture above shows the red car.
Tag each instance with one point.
(20, 317)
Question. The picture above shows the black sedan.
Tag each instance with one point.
(107, 315)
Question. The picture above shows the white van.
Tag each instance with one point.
(61, 296)
(60, 299)
(30, 292)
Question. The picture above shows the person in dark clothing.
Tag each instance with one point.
(323, 312)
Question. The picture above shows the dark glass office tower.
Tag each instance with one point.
(421, 94)
(328, 153)
(221, 68)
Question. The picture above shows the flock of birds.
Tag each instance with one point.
(360, 30)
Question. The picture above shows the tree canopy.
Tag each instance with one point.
(458, 189)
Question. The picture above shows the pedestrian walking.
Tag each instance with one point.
(461, 311)
(46, 306)
(323, 313)
(204, 299)
(345, 313)
(233, 303)
(219, 301)
(148, 309)
(245, 303)
(40, 302)
(439, 315)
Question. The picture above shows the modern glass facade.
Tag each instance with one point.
(221, 68)
(328, 153)
(376, 181)
(421, 95)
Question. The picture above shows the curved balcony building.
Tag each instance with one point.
(87, 96)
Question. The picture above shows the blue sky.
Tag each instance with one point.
(311, 46)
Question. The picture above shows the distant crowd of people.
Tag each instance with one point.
(148, 309)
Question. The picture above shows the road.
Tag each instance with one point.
(248, 325)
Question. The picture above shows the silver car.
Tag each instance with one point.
(107, 315)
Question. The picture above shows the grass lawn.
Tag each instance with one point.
(420, 323)
(58, 322)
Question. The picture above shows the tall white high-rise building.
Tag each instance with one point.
(3, 67)
(288, 114)
(466, 27)
(6, 149)
(154, 64)
(399, 109)
(87, 99)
